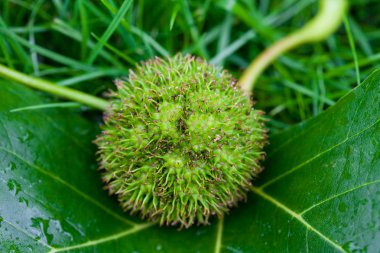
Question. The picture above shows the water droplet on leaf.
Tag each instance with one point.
(42, 225)
(13, 186)
(26, 136)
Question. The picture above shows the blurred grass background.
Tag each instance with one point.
(87, 44)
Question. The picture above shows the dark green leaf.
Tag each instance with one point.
(319, 193)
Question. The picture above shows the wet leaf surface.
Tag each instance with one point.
(319, 193)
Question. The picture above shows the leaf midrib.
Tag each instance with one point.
(298, 217)
(219, 235)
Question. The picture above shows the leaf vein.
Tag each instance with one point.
(338, 195)
(133, 230)
(26, 233)
(297, 216)
(295, 168)
(219, 235)
(71, 187)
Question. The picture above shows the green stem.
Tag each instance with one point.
(55, 89)
(327, 20)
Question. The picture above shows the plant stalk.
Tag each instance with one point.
(328, 19)
(55, 89)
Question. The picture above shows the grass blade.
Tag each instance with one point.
(49, 105)
(109, 31)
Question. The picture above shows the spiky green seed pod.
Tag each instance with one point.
(180, 142)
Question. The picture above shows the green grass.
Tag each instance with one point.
(86, 45)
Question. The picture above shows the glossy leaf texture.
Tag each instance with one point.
(319, 192)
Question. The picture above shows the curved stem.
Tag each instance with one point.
(327, 20)
(55, 89)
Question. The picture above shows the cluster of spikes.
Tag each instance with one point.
(180, 142)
